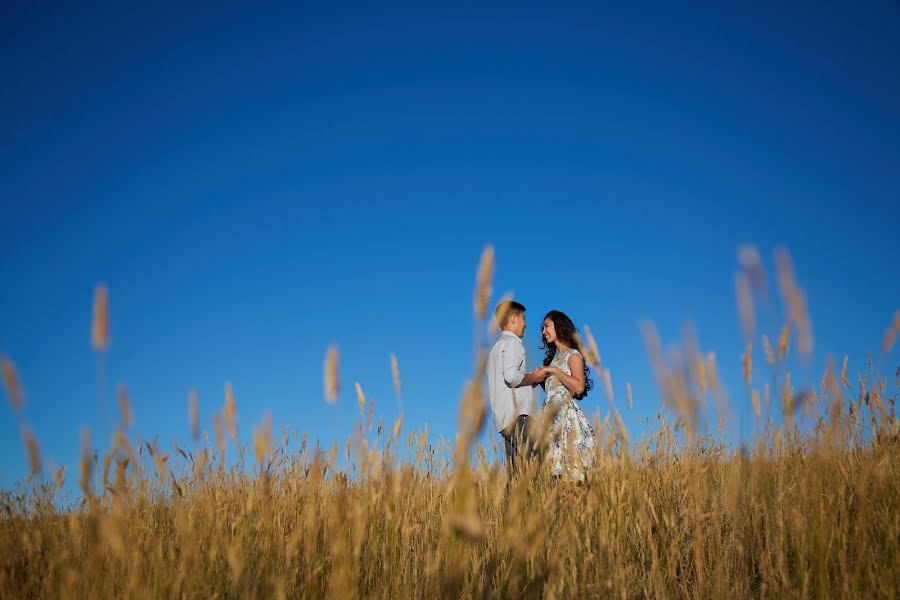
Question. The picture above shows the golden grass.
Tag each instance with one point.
(395, 375)
(100, 323)
(807, 511)
(12, 385)
(330, 375)
(125, 406)
(890, 335)
(744, 298)
(360, 399)
(483, 282)
(194, 414)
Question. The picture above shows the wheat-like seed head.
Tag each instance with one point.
(747, 362)
(100, 325)
(752, 267)
(34, 452)
(621, 431)
(104, 471)
(787, 401)
(844, 372)
(590, 353)
(784, 342)
(262, 439)
(200, 463)
(59, 476)
(194, 414)
(711, 373)
(395, 374)
(86, 462)
(794, 300)
(592, 345)
(890, 335)
(754, 401)
(125, 406)
(122, 444)
(330, 375)
(745, 304)
(220, 436)
(229, 411)
(12, 385)
(483, 282)
(398, 426)
(767, 348)
(608, 386)
(748, 257)
(700, 369)
(360, 398)
(628, 392)
(654, 350)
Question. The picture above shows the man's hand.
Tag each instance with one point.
(537, 376)
(533, 378)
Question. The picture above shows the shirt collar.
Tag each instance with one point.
(510, 333)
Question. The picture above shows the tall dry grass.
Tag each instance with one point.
(809, 508)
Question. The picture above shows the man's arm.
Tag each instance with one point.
(533, 378)
(513, 363)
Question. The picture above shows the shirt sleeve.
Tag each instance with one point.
(512, 361)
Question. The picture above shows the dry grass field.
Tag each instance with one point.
(809, 508)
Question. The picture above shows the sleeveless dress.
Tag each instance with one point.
(571, 439)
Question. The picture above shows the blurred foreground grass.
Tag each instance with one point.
(803, 511)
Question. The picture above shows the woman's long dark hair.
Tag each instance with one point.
(565, 332)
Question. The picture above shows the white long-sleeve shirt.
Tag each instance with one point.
(505, 370)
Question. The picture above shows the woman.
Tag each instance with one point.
(571, 437)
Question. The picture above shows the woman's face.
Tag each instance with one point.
(548, 331)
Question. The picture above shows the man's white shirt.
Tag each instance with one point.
(506, 369)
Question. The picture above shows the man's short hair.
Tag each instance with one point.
(505, 309)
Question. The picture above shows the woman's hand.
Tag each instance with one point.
(535, 378)
(546, 372)
(539, 375)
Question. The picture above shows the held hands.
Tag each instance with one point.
(541, 373)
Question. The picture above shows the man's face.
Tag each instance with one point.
(517, 320)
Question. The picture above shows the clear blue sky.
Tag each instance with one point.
(255, 183)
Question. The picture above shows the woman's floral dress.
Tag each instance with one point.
(571, 439)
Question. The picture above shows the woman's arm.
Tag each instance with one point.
(574, 382)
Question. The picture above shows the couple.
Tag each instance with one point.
(564, 376)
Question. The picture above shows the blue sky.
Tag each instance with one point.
(255, 183)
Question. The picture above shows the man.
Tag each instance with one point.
(509, 385)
